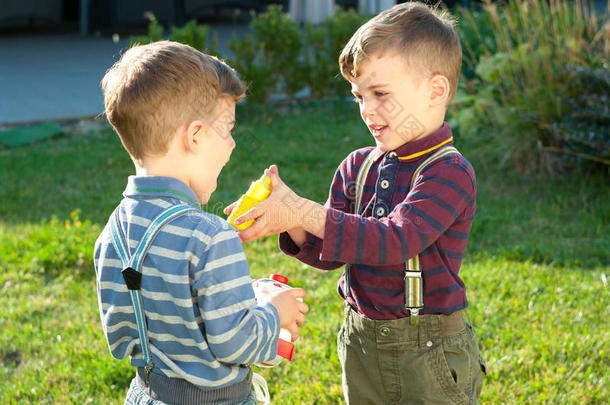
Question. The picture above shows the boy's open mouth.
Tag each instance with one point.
(378, 130)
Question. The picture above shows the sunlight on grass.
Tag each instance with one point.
(536, 268)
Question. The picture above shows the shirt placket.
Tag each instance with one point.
(384, 188)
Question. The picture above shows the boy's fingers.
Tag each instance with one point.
(294, 332)
(274, 175)
(256, 231)
(251, 233)
(252, 213)
(300, 319)
(272, 170)
(303, 308)
(298, 292)
(229, 208)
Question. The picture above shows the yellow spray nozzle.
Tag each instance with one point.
(259, 190)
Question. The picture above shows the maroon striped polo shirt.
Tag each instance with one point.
(432, 220)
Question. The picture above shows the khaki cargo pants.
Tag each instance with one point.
(390, 362)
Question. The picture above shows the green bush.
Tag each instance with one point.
(269, 59)
(197, 36)
(538, 98)
(323, 45)
(192, 33)
(155, 33)
(278, 56)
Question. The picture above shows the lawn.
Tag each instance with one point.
(536, 266)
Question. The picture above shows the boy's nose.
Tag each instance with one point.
(368, 108)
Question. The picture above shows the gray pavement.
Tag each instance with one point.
(57, 77)
(53, 77)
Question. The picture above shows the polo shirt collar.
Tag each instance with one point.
(423, 146)
(160, 186)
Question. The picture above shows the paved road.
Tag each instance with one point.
(58, 77)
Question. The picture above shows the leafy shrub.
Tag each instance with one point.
(197, 36)
(269, 59)
(477, 37)
(155, 32)
(323, 44)
(584, 130)
(192, 33)
(538, 97)
(278, 56)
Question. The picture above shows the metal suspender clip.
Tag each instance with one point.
(347, 279)
(147, 370)
(414, 297)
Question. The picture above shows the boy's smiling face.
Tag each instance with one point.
(394, 102)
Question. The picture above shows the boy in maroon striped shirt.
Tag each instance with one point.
(403, 66)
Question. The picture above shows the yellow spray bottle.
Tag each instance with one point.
(259, 190)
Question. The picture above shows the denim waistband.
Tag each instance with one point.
(181, 392)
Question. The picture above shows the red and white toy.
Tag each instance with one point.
(285, 347)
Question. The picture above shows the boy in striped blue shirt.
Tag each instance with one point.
(174, 287)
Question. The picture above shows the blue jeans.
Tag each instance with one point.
(138, 396)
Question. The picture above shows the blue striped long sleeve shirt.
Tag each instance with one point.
(204, 324)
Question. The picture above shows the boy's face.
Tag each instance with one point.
(393, 101)
(215, 149)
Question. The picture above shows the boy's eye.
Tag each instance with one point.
(357, 99)
(380, 94)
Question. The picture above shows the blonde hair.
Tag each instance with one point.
(424, 35)
(154, 89)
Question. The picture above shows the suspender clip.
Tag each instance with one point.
(147, 370)
(132, 278)
(414, 294)
(414, 318)
(347, 279)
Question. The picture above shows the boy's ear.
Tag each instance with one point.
(194, 134)
(439, 90)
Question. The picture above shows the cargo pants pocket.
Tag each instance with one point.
(457, 367)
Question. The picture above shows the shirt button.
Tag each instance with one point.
(385, 184)
(384, 331)
(392, 155)
(380, 211)
(429, 343)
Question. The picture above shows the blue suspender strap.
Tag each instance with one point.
(414, 286)
(132, 273)
(360, 180)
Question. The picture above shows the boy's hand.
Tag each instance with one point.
(281, 211)
(291, 310)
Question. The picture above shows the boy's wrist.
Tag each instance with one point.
(312, 217)
(296, 205)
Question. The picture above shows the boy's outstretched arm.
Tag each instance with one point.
(283, 211)
(443, 198)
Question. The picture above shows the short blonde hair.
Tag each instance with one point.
(154, 89)
(424, 35)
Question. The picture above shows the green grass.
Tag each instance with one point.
(536, 267)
